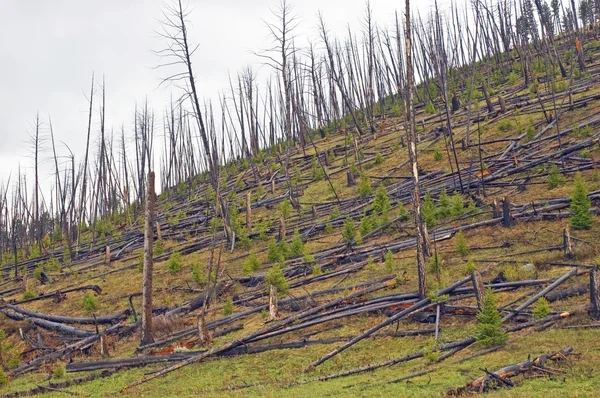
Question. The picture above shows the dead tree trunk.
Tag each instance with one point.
(412, 152)
(249, 212)
(478, 287)
(147, 283)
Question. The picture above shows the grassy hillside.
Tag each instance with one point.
(533, 174)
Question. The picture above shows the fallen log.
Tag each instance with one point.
(49, 325)
(99, 320)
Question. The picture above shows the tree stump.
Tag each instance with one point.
(282, 231)
(595, 294)
(107, 256)
(273, 306)
(507, 218)
(479, 288)
(567, 243)
(502, 103)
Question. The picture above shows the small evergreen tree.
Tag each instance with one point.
(428, 211)
(443, 208)
(381, 203)
(462, 246)
(276, 278)
(457, 207)
(197, 275)
(175, 262)
(554, 177)
(488, 330)
(364, 186)
(366, 225)
(274, 253)
(228, 307)
(297, 246)
(317, 171)
(541, 308)
(389, 261)
(349, 232)
(90, 303)
(285, 208)
(581, 218)
(251, 265)
(402, 212)
(335, 213)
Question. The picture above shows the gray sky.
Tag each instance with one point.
(50, 49)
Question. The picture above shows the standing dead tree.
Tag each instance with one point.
(179, 53)
(412, 154)
(147, 282)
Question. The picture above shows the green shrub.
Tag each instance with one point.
(378, 158)
(228, 307)
(349, 232)
(505, 125)
(251, 265)
(430, 108)
(541, 308)
(438, 155)
(29, 294)
(470, 267)
(90, 303)
(175, 262)
(3, 378)
(364, 186)
(488, 330)
(581, 218)
(512, 78)
(462, 246)
(328, 227)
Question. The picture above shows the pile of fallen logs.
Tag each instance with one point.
(502, 377)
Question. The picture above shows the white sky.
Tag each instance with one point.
(49, 50)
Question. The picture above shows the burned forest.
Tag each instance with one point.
(410, 208)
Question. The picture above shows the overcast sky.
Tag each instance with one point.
(49, 50)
